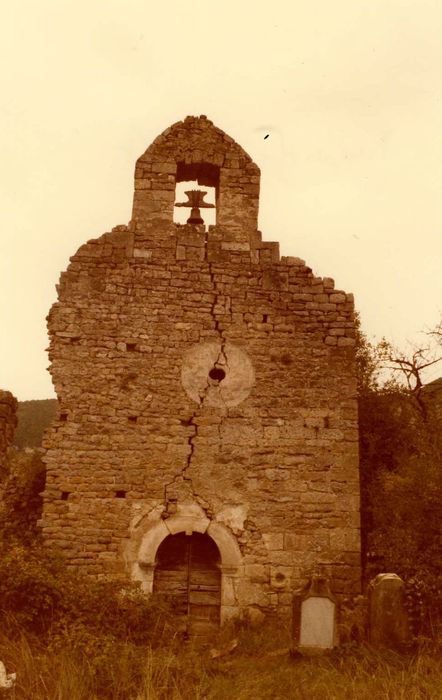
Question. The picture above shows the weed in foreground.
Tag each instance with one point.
(177, 672)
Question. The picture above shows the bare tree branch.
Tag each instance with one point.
(410, 366)
(437, 332)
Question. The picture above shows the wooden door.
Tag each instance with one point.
(187, 573)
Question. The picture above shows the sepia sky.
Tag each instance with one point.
(349, 92)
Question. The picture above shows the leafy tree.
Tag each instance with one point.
(400, 462)
(20, 500)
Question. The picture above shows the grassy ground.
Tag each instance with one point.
(259, 668)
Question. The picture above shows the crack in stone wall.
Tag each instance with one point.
(222, 361)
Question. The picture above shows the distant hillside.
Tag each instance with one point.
(33, 419)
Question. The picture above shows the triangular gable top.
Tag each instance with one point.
(195, 149)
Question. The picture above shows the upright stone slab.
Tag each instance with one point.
(205, 385)
(388, 620)
(315, 617)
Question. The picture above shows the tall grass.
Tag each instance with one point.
(259, 668)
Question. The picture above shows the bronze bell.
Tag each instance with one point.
(195, 203)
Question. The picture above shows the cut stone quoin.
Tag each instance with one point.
(149, 316)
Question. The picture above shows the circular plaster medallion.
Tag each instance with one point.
(216, 374)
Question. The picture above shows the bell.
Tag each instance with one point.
(195, 202)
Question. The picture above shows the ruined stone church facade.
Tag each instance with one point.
(206, 443)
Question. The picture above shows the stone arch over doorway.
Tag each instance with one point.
(230, 555)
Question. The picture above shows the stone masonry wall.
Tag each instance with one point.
(8, 423)
(145, 434)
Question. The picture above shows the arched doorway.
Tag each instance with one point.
(187, 573)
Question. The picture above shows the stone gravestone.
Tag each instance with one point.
(314, 617)
(388, 620)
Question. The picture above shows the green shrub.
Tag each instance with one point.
(47, 598)
(20, 502)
